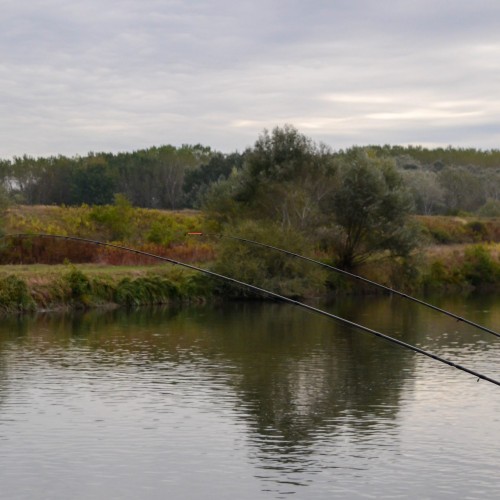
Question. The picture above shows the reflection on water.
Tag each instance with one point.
(248, 401)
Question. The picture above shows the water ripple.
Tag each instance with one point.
(190, 406)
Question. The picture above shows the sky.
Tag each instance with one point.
(119, 75)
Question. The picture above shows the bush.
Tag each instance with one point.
(479, 267)
(266, 268)
(444, 230)
(116, 219)
(478, 230)
(79, 287)
(14, 295)
(440, 275)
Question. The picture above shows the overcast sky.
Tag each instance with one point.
(121, 75)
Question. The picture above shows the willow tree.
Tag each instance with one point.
(369, 210)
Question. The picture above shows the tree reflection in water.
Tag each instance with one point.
(311, 394)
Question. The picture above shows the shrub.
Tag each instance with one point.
(154, 231)
(445, 230)
(14, 295)
(114, 219)
(478, 230)
(264, 267)
(80, 288)
(479, 267)
(439, 275)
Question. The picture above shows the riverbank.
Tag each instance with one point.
(43, 287)
(456, 254)
(29, 288)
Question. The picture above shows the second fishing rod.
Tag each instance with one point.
(350, 275)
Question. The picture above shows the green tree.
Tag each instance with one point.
(354, 204)
(463, 189)
(369, 210)
(428, 194)
(53, 185)
(219, 167)
(154, 178)
(92, 182)
(284, 178)
(26, 173)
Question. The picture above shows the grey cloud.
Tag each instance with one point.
(122, 74)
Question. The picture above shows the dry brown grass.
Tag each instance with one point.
(451, 230)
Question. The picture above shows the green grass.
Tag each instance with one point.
(41, 287)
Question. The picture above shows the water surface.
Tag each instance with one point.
(249, 401)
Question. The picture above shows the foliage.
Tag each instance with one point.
(349, 205)
(440, 275)
(442, 156)
(428, 194)
(4, 204)
(491, 208)
(218, 168)
(81, 287)
(265, 267)
(14, 295)
(447, 180)
(148, 178)
(468, 267)
(149, 290)
(462, 190)
(369, 210)
(219, 203)
(442, 180)
(92, 182)
(479, 267)
(154, 231)
(477, 229)
(445, 230)
(115, 220)
(155, 177)
(354, 204)
(284, 178)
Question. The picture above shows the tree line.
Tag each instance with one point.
(348, 206)
(151, 178)
(440, 181)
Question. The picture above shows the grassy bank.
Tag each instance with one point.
(58, 287)
(25, 288)
(457, 253)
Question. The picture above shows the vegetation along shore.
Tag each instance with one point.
(407, 217)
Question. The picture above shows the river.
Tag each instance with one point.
(250, 401)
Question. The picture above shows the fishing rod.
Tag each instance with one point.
(263, 291)
(354, 276)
